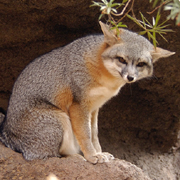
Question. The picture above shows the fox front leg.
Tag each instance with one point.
(94, 131)
(81, 124)
(103, 156)
(80, 120)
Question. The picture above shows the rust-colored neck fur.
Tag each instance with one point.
(96, 68)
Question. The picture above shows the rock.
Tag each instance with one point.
(141, 124)
(28, 21)
(42, 25)
(13, 166)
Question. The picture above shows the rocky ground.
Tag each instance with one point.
(13, 166)
(141, 125)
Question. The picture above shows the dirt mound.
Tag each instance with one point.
(13, 166)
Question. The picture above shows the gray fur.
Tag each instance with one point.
(28, 130)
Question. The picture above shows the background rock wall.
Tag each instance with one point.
(142, 122)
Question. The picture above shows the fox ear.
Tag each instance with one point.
(160, 53)
(109, 35)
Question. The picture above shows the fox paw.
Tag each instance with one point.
(100, 158)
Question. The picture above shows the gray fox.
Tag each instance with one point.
(53, 109)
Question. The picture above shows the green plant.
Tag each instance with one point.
(112, 10)
(174, 8)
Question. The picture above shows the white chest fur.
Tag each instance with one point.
(100, 95)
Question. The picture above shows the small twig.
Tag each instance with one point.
(131, 9)
(122, 12)
(159, 6)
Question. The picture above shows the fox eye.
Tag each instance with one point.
(141, 64)
(121, 60)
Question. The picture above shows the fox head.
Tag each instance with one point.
(129, 56)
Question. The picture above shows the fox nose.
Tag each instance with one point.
(130, 78)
